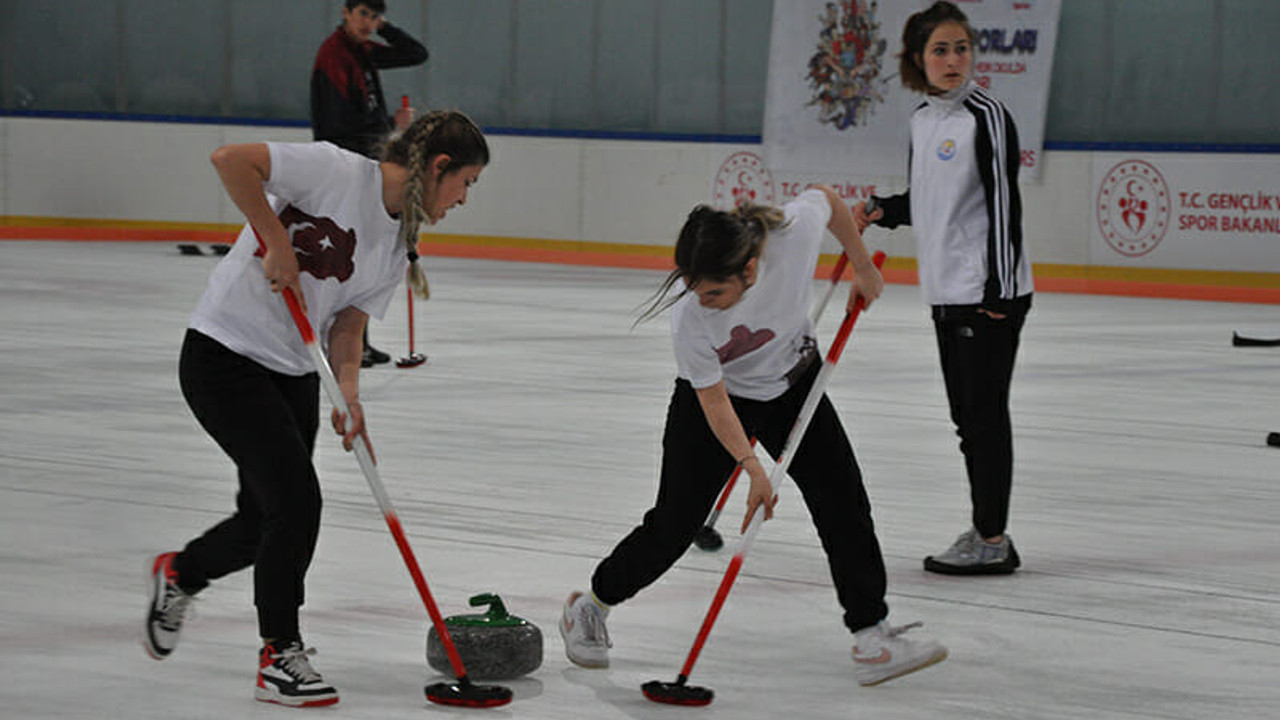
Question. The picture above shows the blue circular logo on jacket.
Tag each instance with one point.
(947, 149)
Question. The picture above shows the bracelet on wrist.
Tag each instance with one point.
(746, 458)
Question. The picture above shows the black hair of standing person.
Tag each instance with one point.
(378, 6)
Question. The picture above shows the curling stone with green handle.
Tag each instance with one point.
(494, 646)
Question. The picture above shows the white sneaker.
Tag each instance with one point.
(880, 653)
(586, 640)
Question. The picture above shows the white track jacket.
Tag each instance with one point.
(963, 201)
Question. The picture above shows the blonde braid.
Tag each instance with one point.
(412, 214)
(438, 133)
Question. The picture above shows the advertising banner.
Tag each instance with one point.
(1186, 211)
(834, 104)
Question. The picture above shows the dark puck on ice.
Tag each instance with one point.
(1239, 340)
(677, 693)
(708, 539)
(1273, 439)
(464, 694)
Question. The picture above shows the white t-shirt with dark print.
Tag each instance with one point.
(755, 343)
(330, 201)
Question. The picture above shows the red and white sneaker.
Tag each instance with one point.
(881, 653)
(167, 609)
(286, 677)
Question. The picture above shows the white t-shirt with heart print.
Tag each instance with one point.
(330, 200)
(754, 343)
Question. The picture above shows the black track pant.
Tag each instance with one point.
(977, 354)
(266, 422)
(695, 467)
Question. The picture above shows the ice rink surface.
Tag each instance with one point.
(1145, 507)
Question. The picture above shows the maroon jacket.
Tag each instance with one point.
(347, 106)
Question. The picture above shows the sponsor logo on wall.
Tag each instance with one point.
(844, 72)
(1188, 211)
(745, 177)
(1133, 208)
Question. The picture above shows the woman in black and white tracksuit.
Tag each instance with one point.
(964, 206)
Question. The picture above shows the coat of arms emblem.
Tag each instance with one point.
(844, 71)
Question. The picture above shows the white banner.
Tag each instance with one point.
(834, 104)
(1194, 212)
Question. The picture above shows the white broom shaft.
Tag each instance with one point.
(784, 461)
(814, 316)
(831, 289)
(365, 458)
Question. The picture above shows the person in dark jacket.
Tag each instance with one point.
(347, 105)
(348, 108)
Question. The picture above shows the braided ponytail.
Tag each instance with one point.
(411, 216)
(440, 132)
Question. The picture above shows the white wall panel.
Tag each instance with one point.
(601, 191)
(4, 166)
(111, 170)
(640, 192)
(1056, 212)
(530, 190)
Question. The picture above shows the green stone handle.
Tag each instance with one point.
(497, 611)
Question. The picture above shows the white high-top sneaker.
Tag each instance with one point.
(881, 653)
(586, 640)
(285, 677)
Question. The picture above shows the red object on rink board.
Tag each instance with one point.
(413, 359)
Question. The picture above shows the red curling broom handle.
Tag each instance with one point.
(817, 313)
(365, 458)
(409, 290)
(775, 479)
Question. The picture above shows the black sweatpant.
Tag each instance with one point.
(267, 423)
(695, 467)
(978, 354)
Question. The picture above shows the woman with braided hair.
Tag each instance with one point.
(746, 357)
(338, 229)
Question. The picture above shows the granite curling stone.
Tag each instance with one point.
(494, 646)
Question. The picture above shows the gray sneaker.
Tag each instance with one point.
(972, 555)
